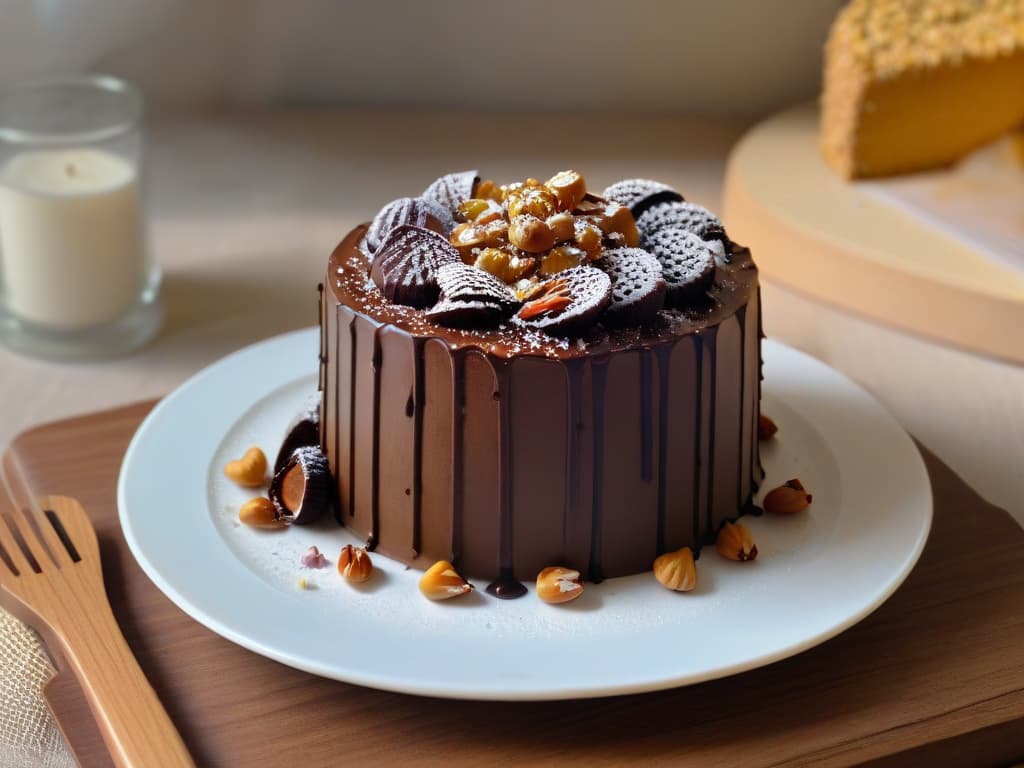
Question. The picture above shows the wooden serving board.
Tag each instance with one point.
(934, 677)
(824, 236)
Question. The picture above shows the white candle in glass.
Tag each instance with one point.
(76, 278)
(71, 237)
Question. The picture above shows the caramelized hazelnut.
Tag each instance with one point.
(487, 189)
(568, 188)
(676, 570)
(442, 582)
(787, 499)
(559, 585)
(354, 564)
(467, 236)
(618, 220)
(260, 513)
(249, 470)
(504, 265)
(562, 226)
(735, 542)
(530, 234)
(496, 233)
(523, 287)
(481, 211)
(588, 238)
(561, 257)
(470, 209)
(526, 200)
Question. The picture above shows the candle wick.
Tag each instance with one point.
(70, 169)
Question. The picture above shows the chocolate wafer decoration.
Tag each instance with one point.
(406, 264)
(638, 288)
(680, 215)
(471, 298)
(569, 304)
(640, 194)
(416, 211)
(452, 189)
(461, 282)
(687, 264)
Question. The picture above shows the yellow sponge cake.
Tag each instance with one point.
(915, 84)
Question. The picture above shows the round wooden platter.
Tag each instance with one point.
(825, 237)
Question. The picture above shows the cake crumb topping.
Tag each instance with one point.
(889, 37)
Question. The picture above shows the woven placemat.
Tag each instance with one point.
(29, 737)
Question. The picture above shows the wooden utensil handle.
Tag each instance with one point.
(134, 724)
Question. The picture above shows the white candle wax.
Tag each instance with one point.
(71, 239)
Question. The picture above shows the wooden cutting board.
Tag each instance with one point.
(934, 677)
(829, 239)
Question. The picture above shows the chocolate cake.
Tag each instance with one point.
(520, 377)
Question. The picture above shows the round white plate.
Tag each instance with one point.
(816, 574)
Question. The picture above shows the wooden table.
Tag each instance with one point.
(245, 208)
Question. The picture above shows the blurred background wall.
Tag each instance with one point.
(741, 58)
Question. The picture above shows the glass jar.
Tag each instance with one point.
(77, 279)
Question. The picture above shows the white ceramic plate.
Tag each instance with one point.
(816, 574)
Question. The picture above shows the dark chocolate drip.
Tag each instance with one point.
(741, 317)
(351, 418)
(322, 368)
(712, 407)
(375, 477)
(760, 378)
(646, 418)
(664, 354)
(419, 400)
(503, 587)
(599, 376)
(458, 358)
(339, 507)
(574, 380)
(712, 427)
(698, 351)
(506, 588)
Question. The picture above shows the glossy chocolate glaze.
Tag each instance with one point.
(507, 451)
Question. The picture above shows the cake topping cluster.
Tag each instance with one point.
(546, 255)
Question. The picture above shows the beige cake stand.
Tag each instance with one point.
(820, 235)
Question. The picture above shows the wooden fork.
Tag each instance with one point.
(50, 566)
